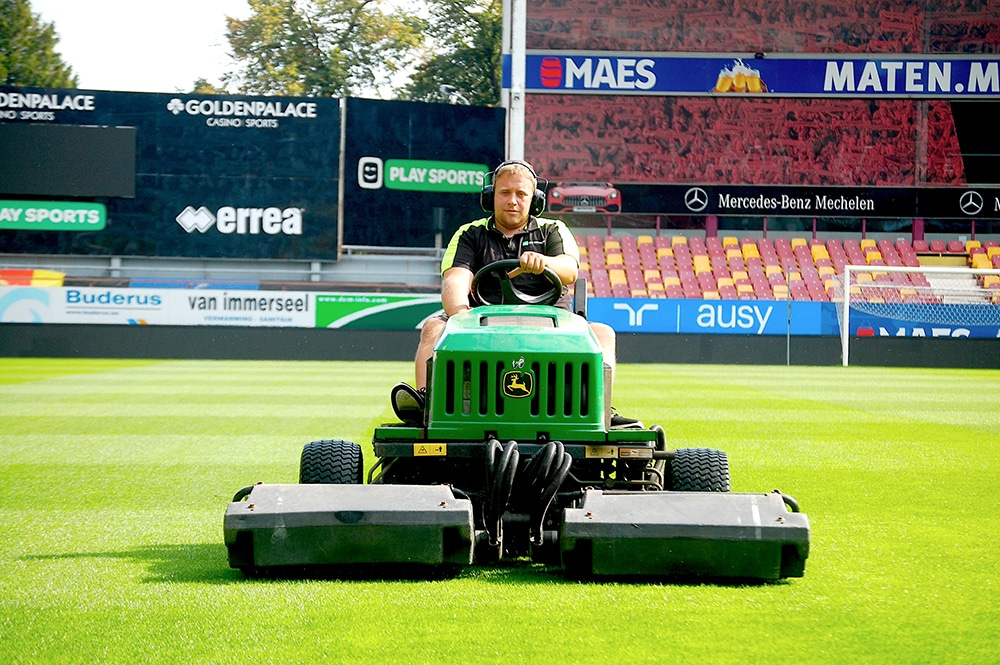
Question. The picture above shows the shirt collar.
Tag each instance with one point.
(532, 225)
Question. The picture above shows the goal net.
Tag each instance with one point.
(890, 301)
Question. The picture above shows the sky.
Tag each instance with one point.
(142, 45)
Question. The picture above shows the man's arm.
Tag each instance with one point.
(563, 265)
(455, 287)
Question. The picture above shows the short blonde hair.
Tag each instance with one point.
(519, 168)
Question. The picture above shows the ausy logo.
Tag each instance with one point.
(242, 221)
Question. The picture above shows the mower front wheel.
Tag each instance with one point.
(699, 470)
(331, 462)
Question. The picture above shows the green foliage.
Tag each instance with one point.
(28, 54)
(319, 47)
(467, 38)
(116, 475)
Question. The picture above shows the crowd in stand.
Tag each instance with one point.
(761, 140)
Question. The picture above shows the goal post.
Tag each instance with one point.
(931, 301)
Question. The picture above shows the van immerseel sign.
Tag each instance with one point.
(785, 75)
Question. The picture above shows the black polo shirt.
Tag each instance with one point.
(479, 243)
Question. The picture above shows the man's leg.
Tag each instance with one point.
(606, 337)
(409, 401)
(429, 334)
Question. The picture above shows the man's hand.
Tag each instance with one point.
(532, 263)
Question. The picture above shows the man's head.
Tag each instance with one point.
(514, 195)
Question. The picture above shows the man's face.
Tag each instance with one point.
(512, 195)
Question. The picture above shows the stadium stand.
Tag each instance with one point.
(732, 268)
(766, 140)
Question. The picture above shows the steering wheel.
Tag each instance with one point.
(511, 295)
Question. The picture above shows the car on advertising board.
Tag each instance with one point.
(580, 197)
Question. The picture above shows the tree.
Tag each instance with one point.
(320, 47)
(27, 49)
(467, 34)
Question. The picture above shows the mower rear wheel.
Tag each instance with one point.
(331, 462)
(699, 470)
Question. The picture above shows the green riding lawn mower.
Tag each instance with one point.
(516, 457)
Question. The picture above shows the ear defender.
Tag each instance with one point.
(537, 199)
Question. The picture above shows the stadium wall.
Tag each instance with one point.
(235, 343)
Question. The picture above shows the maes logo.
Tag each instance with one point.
(242, 221)
(598, 73)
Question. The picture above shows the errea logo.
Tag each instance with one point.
(242, 221)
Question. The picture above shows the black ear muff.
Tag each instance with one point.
(486, 195)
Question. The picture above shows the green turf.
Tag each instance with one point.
(116, 474)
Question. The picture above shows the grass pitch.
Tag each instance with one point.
(116, 474)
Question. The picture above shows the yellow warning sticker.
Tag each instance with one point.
(430, 449)
(602, 452)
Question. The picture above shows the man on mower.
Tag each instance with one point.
(513, 231)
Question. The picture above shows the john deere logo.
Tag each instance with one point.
(518, 384)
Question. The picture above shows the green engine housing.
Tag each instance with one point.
(523, 372)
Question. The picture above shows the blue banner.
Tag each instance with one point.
(902, 320)
(787, 75)
(727, 317)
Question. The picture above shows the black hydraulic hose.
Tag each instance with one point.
(537, 470)
(556, 473)
(501, 466)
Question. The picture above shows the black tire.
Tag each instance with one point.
(331, 462)
(699, 470)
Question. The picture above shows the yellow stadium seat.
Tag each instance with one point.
(644, 240)
(730, 241)
(868, 242)
(664, 251)
(679, 240)
(711, 295)
(614, 259)
(972, 244)
(617, 276)
(819, 252)
(798, 242)
(772, 270)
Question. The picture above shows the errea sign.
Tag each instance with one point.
(242, 221)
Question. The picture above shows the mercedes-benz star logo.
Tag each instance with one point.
(971, 203)
(696, 199)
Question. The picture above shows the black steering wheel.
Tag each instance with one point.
(509, 294)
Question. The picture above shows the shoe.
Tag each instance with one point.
(409, 403)
(618, 421)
